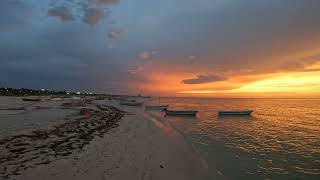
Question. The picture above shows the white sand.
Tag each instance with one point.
(140, 148)
(34, 116)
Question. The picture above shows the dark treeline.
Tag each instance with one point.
(33, 92)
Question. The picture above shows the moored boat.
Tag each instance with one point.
(180, 112)
(156, 107)
(131, 103)
(236, 113)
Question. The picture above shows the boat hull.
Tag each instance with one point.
(131, 103)
(156, 107)
(181, 113)
(235, 113)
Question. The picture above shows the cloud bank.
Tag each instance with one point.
(200, 79)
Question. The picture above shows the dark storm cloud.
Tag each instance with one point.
(205, 36)
(13, 14)
(200, 79)
(89, 11)
(239, 34)
(67, 53)
(48, 54)
(105, 2)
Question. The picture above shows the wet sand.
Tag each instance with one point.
(135, 146)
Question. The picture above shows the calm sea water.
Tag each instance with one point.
(281, 140)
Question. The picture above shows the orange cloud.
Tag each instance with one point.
(93, 16)
(279, 84)
(165, 79)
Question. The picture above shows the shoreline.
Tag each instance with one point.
(139, 148)
(218, 174)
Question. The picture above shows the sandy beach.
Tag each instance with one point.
(92, 139)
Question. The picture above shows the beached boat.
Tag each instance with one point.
(236, 113)
(32, 99)
(156, 107)
(131, 103)
(180, 112)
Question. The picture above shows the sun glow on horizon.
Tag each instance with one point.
(285, 83)
(297, 82)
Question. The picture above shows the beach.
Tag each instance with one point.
(90, 138)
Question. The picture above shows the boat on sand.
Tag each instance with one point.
(236, 113)
(180, 112)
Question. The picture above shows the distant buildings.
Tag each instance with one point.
(42, 92)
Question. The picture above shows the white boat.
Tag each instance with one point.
(131, 103)
(156, 107)
(180, 112)
(236, 113)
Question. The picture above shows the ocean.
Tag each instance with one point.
(281, 140)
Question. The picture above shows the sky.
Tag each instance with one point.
(218, 48)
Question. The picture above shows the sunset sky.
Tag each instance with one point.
(219, 48)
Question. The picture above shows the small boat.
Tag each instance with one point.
(31, 99)
(180, 112)
(131, 103)
(156, 107)
(236, 113)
